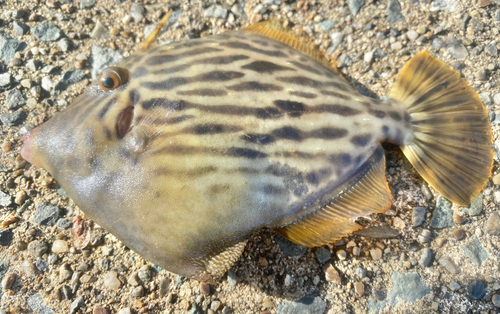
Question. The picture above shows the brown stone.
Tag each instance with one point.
(458, 234)
(359, 288)
(331, 274)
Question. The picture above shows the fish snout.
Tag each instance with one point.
(27, 152)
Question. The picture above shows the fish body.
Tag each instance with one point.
(208, 140)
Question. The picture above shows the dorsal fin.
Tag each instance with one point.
(365, 193)
(276, 30)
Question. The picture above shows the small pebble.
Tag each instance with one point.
(100, 310)
(495, 299)
(138, 292)
(458, 234)
(449, 265)
(111, 280)
(331, 274)
(376, 254)
(426, 258)
(205, 288)
(440, 242)
(424, 236)
(493, 224)
(341, 255)
(8, 281)
(60, 246)
(359, 288)
(476, 290)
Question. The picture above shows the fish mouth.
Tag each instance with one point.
(27, 152)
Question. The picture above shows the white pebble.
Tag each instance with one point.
(111, 280)
(60, 246)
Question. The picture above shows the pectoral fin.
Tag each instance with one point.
(365, 193)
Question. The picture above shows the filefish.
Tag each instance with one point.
(183, 151)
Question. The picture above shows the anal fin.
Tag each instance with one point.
(364, 193)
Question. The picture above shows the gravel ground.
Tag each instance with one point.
(424, 255)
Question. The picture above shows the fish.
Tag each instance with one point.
(183, 151)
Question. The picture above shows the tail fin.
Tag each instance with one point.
(452, 146)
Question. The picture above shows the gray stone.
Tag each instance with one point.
(76, 304)
(496, 99)
(65, 44)
(426, 258)
(67, 79)
(418, 216)
(497, 15)
(309, 304)
(476, 290)
(137, 12)
(195, 309)
(336, 39)
(394, 13)
(408, 287)
(37, 304)
(17, 14)
(5, 199)
(449, 265)
(323, 254)
(355, 6)
(486, 98)
(42, 265)
(5, 79)
(289, 248)
(493, 224)
(37, 248)
(63, 223)
(232, 280)
(442, 217)
(33, 64)
(46, 214)
(13, 119)
(216, 11)
(476, 206)
(360, 272)
(103, 58)
(15, 100)
(9, 46)
(20, 28)
(48, 69)
(99, 31)
(444, 5)
(47, 32)
(327, 25)
(6, 236)
(87, 4)
(344, 61)
(491, 50)
(475, 251)
(458, 50)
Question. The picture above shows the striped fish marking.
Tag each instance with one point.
(211, 139)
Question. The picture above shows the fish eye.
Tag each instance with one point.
(112, 78)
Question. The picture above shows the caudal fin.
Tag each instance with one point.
(452, 146)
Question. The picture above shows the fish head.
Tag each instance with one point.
(98, 136)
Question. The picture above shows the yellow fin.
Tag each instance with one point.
(276, 30)
(365, 193)
(452, 145)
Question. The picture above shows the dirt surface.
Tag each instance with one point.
(44, 271)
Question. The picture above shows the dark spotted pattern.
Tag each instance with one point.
(265, 67)
(361, 140)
